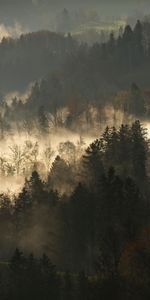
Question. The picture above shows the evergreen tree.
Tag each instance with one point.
(127, 48)
(139, 151)
(43, 120)
(81, 217)
(61, 177)
(92, 165)
(49, 279)
(138, 43)
(111, 45)
(35, 188)
(136, 101)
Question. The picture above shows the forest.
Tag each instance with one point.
(75, 166)
(90, 218)
(66, 74)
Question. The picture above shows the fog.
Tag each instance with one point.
(45, 14)
(21, 152)
(74, 149)
(13, 31)
(33, 151)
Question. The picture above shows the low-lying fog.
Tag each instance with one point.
(19, 153)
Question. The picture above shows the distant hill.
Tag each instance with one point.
(30, 57)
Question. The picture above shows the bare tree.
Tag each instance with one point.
(67, 151)
(47, 156)
(18, 157)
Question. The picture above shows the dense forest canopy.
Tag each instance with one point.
(91, 214)
(107, 66)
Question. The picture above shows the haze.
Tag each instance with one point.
(41, 14)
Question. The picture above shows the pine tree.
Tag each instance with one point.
(127, 48)
(139, 151)
(138, 43)
(92, 165)
(43, 120)
(136, 101)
